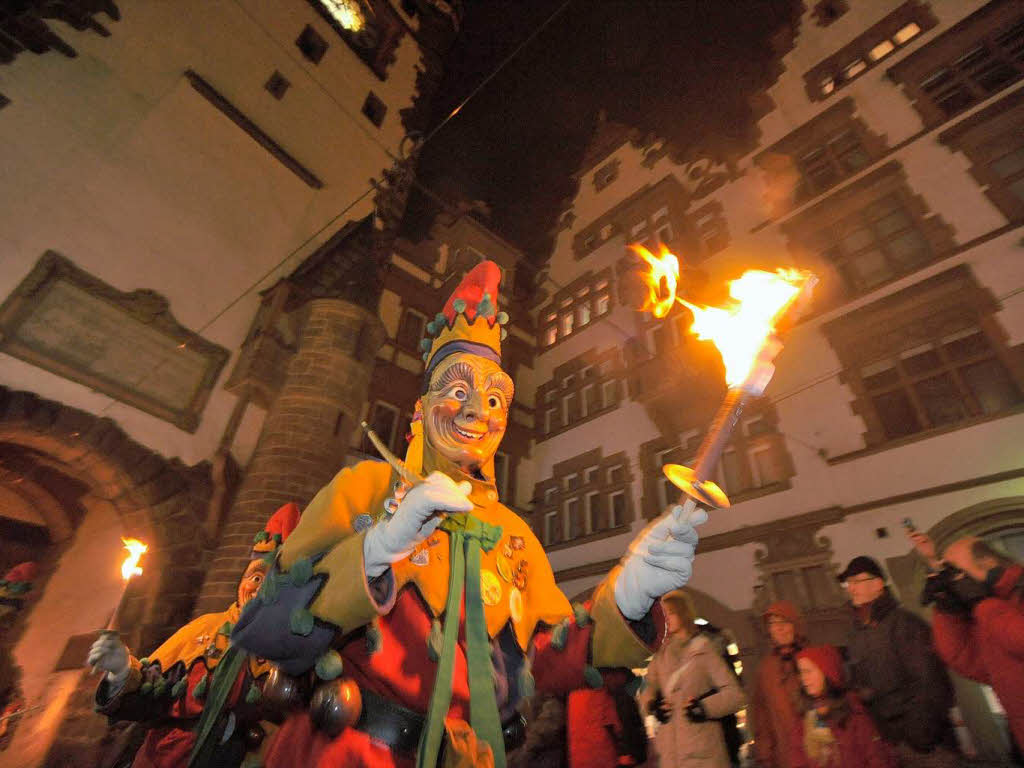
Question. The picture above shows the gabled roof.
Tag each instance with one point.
(608, 136)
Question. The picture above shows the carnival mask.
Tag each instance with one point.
(251, 581)
(465, 410)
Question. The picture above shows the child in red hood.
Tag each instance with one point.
(836, 731)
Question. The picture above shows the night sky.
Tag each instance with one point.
(681, 69)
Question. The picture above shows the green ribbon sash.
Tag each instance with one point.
(469, 536)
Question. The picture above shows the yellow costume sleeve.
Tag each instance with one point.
(328, 524)
(614, 643)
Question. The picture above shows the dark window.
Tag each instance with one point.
(829, 163)
(574, 518)
(277, 85)
(313, 46)
(374, 109)
(878, 243)
(940, 383)
(595, 512)
(618, 516)
(410, 329)
(985, 68)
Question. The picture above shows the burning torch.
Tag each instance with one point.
(744, 333)
(129, 568)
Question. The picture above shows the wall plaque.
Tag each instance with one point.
(126, 345)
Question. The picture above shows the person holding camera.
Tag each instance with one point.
(896, 672)
(978, 624)
(687, 688)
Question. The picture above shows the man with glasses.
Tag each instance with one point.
(894, 668)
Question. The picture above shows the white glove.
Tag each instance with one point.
(659, 560)
(415, 519)
(111, 655)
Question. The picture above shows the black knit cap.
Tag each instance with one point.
(862, 564)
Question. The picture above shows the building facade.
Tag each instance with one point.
(891, 164)
(194, 264)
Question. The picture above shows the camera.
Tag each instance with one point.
(953, 591)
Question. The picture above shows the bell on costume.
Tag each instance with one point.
(336, 705)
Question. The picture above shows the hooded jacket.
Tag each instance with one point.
(989, 647)
(775, 705)
(894, 667)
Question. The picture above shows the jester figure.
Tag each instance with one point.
(426, 610)
(202, 698)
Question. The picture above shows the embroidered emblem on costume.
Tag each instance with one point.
(420, 557)
(362, 522)
(517, 542)
(519, 579)
(505, 569)
(515, 605)
(490, 587)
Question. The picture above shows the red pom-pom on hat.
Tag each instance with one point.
(22, 572)
(480, 280)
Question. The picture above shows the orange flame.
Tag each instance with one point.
(130, 566)
(742, 332)
(661, 281)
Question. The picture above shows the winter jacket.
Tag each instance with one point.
(990, 648)
(775, 707)
(857, 743)
(680, 742)
(893, 666)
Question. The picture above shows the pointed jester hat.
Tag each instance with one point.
(470, 322)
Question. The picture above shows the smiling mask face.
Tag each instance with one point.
(465, 411)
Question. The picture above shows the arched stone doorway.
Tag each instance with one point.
(79, 483)
(994, 520)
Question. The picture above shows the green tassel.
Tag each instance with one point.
(425, 344)
(301, 572)
(260, 537)
(278, 539)
(329, 665)
(502, 318)
(504, 334)
(486, 307)
(254, 694)
(435, 641)
(593, 677)
(559, 634)
(269, 591)
(144, 661)
(200, 690)
(146, 688)
(425, 355)
(374, 639)
(160, 688)
(580, 614)
(179, 688)
(301, 622)
(459, 305)
(440, 319)
(527, 685)
(225, 629)
(19, 587)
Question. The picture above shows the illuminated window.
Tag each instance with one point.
(567, 323)
(882, 50)
(550, 336)
(828, 85)
(854, 68)
(908, 32)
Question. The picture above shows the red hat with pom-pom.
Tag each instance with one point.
(470, 321)
(278, 528)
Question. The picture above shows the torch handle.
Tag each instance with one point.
(718, 435)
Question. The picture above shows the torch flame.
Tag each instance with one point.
(742, 331)
(661, 281)
(130, 566)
